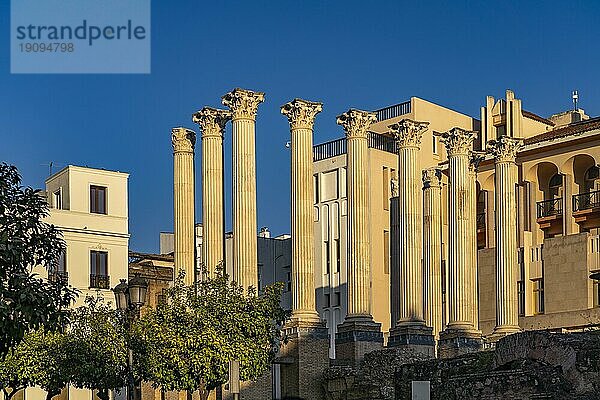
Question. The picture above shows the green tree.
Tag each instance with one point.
(97, 347)
(187, 342)
(40, 359)
(27, 302)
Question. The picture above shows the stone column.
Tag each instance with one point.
(475, 159)
(432, 248)
(308, 338)
(183, 202)
(301, 116)
(212, 124)
(410, 329)
(460, 335)
(358, 334)
(507, 307)
(244, 105)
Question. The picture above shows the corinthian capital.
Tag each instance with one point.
(504, 149)
(475, 158)
(432, 177)
(183, 140)
(458, 141)
(243, 103)
(408, 133)
(356, 122)
(301, 113)
(212, 121)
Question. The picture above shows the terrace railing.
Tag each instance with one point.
(586, 201)
(548, 208)
(339, 146)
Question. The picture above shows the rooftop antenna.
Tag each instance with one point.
(575, 98)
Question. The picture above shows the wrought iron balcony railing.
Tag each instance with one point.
(393, 111)
(329, 149)
(586, 201)
(548, 208)
(55, 276)
(338, 147)
(99, 281)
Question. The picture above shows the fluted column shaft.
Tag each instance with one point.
(301, 115)
(408, 136)
(460, 299)
(356, 123)
(244, 105)
(473, 245)
(432, 248)
(212, 124)
(183, 202)
(507, 307)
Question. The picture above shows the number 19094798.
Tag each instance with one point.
(52, 47)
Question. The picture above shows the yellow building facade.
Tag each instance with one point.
(90, 208)
(556, 217)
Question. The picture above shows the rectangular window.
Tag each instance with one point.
(386, 188)
(337, 299)
(338, 255)
(435, 144)
(327, 300)
(316, 188)
(596, 292)
(57, 199)
(538, 295)
(98, 199)
(99, 270)
(289, 282)
(521, 294)
(386, 252)
(327, 257)
(259, 274)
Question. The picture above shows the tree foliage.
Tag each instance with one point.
(40, 359)
(91, 354)
(27, 302)
(97, 347)
(187, 342)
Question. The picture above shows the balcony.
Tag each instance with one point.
(586, 209)
(58, 276)
(99, 281)
(338, 147)
(549, 216)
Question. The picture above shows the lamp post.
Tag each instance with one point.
(130, 297)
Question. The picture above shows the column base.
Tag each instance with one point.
(454, 342)
(501, 331)
(303, 359)
(413, 335)
(355, 337)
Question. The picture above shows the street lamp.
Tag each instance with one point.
(130, 297)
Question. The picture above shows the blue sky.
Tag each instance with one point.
(345, 54)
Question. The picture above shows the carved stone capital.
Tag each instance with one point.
(356, 122)
(212, 121)
(475, 158)
(301, 113)
(408, 133)
(458, 141)
(183, 140)
(504, 149)
(432, 177)
(243, 103)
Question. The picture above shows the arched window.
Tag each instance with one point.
(555, 186)
(591, 178)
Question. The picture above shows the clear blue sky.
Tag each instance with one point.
(345, 54)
